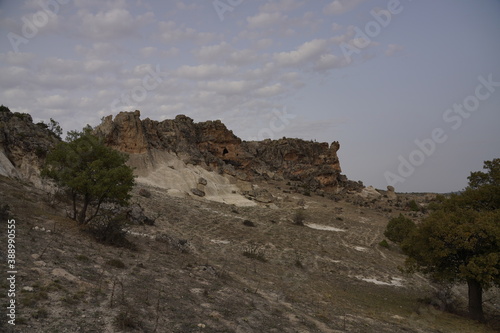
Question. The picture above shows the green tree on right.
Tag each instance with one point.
(460, 240)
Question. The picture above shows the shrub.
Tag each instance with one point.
(414, 207)
(399, 228)
(249, 223)
(117, 263)
(384, 243)
(254, 251)
(125, 320)
(299, 217)
(4, 212)
(109, 229)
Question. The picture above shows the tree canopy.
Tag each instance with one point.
(90, 172)
(460, 240)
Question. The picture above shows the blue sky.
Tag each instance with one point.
(377, 76)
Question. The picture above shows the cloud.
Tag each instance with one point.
(393, 49)
(53, 101)
(228, 87)
(98, 50)
(170, 32)
(281, 6)
(338, 7)
(111, 24)
(270, 91)
(265, 20)
(304, 53)
(213, 53)
(19, 59)
(203, 72)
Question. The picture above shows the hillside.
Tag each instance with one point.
(231, 260)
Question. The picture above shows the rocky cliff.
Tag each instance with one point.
(23, 145)
(213, 147)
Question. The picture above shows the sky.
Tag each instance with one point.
(410, 89)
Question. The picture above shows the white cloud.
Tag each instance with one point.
(283, 5)
(97, 66)
(264, 43)
(18, 59)
(148, 51)
(114, 23)
(212, 53)
(329, 61)
(53, 101)
(304, 53)
(228, 87)
(270, 91)
(204, 72)
(338, 7)
(243, 57)
(170, 32)
(265, 20)
(98, 50)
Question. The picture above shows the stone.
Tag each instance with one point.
(23, 146)
(202, 181)
(144, 193)
(369, 193)
(391, 195)
(197, 192)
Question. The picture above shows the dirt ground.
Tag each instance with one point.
(211, 267)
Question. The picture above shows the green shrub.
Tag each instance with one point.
(384, 243)
(399, 228)
(414, 207)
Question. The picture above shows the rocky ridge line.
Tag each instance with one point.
(212, 146)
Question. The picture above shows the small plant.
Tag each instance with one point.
(31, 299)
(125, 321)
(399, 228)
(413, 206)
(384, 243)
(299, 217)
(254, 251)
(249, 223)
(41, 313)
(83, 258)
(117, 263)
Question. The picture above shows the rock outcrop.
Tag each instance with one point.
(215, 148)
(23, 145)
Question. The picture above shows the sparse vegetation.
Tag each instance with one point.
(116, 263)
(413, 206)
(384, 243)
(126, 320)
(249, 223)
(299, 217)
(254, 251)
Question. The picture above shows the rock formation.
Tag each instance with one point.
(215, 148)
(23, 145)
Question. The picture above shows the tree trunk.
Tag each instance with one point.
(475, 300)
(83, 212)
(75, 213)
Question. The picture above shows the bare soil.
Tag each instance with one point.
(203, 267)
